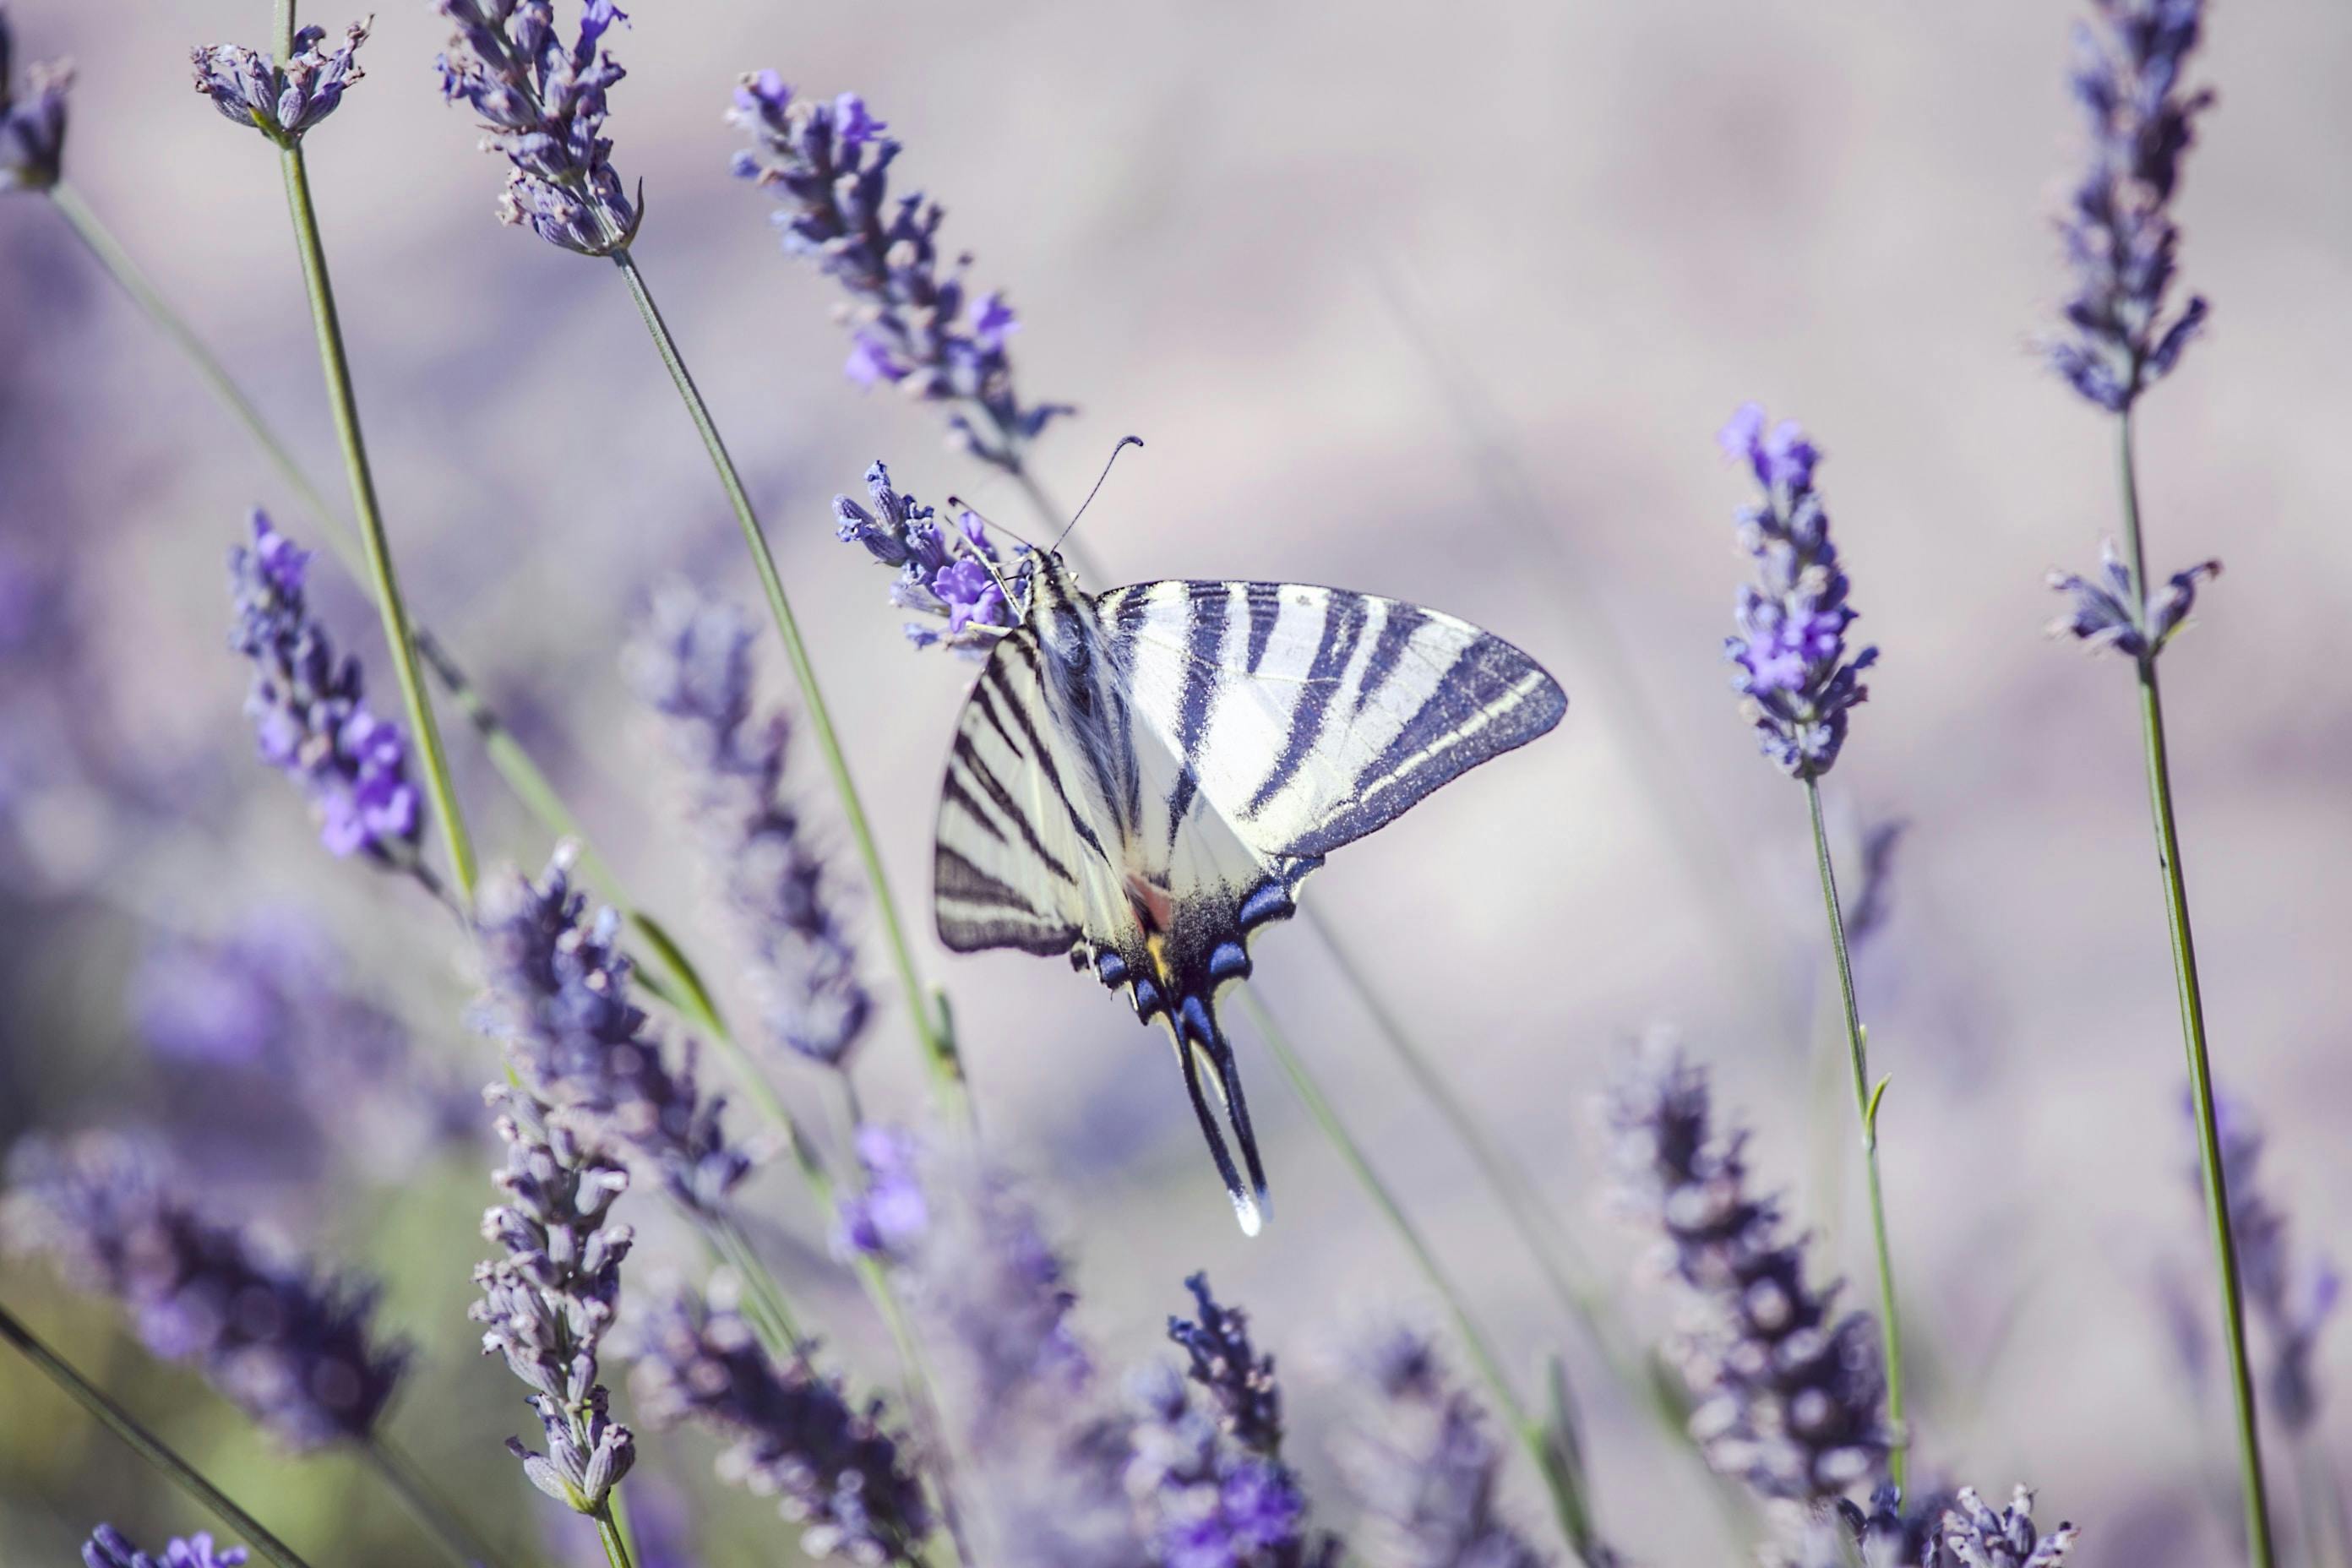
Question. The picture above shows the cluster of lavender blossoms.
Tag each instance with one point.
(549, 1301)
(308, 714)
(792, 1434)
(291, 1348)
(542, 106)
(1426, 1470)
(1977, 1536)
(1790, 650)
(2293, 1305)
(1791, 1395)
(910, 325)
(282, 100)
(109, 1548)
(561, 990)
(959, 577)
(2102, 614)
(2119, 232)
(692, 662)
(32, 124)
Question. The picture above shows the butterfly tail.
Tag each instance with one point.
(1204, 1052)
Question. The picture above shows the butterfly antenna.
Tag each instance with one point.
(1124, 443)
(991, 567)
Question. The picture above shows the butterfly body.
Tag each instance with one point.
(1142, 778)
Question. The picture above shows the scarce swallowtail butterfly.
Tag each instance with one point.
(1142, 778)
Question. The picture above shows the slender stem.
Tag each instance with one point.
(143, 1443)
(615, 1544)
(939, 1050)
(2259, 1548)
(1865, 1107)
(431, 1512)
(345, 404)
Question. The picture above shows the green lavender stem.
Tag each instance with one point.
(145, 1443)
(433, 1514)
(1565, 1483)
(1865, 1107)
(2259, 1545)
(615, 1543)
(336, 363)
(939, 1050)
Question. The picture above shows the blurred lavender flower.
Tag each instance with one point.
(547, 1304)
(1239, 1380)
(795, 1436)
(2102, 615)
(1425, 1470)
(1790, 650)
(310, 716)
(1207, 1502)
(291, 1348)
(108, 1548)
(888, 1215)
(2120, 237)
(1980, 1538)
(542, 105)
(692, 662)
(828, 164)
(281, 101)
(2293, 1305)
(1791, 1395)
(955, 577)
(1873, 902)
(561, 985)
(32, 126)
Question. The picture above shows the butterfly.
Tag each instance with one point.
(1142, 778)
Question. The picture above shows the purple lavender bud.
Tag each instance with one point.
(280, 101)
(1980, 1538)
(1224, 1362)
(32, 125)
(108, 1548)
(2293, 1304)
(548, 1303)
(1789, 1394)
(2102, 615)
(912, 325)
(311, 717)
(792, 1434)
(1206, 1502)
(1798, 684)
(1427, 1471)
(2120, 236)
(561, 987)
(691, 660)
(959, 577)
(543, 104)
(888, 1216)
(290, 1347)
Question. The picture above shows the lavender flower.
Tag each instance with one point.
(32, 126)
(1790, 650)
(280, 101)
(2120, 237)
(792, 1433)
(692, 662)
(310, 716)
(1980, 1538)
(547, 1304)
(291, 1348)
(561, 989)
(1426, 1470)
(2102, 614)
(1790, 1394)
(1239, 1380)
(1205, 1501)
(542, 105)
(2293, 1304)
(911, 326)
(108, 1548)
(888, 1215)
(959, 577)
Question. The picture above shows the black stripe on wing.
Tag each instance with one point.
(1204, 640)
(992, 912)
(1343, 623)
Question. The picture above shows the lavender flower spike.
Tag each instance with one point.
(2120, 236)
(310, 715)
(1790, 1393)
(692, 662)
(1204, 1500)
(833, 1469)
(1980, 1538)
(542, 105)
(2103, 617)
(282, 101)
(911, 326)
(108, 1548)
(561, 985)
(1429, 1472)
(2293, 1305)
(959, 577)
(33, 126)
(291, 1348)
(1240, 1381)
(547, 1304)
(1791, 650)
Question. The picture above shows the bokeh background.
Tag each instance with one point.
(1440, 303)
